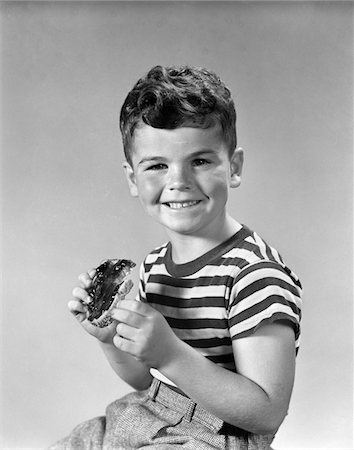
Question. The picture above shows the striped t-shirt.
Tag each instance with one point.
(225, 294)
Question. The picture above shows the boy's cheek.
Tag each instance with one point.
(148, 189)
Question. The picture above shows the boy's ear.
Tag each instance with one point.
(236, 165)
(130, 175)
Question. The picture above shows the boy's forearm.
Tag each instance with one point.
(129, 369)
(230, 396)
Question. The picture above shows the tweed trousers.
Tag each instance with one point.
(159, 419)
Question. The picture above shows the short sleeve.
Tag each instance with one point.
(264, 292)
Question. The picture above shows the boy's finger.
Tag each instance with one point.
(134, 306)
(77, 309)
(85, 280)
(125, 288)
(81, 294)
(132, 319)
(92, 273)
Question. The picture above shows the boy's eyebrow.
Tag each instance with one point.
(192, 155)
(148, 159)
(204, 151)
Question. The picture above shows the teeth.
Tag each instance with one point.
(182, 204)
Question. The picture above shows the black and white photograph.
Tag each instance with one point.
(176, 225)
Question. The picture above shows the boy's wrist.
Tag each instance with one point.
(113, 353)
(172, 363)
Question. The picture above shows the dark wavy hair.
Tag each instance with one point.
(172, 97)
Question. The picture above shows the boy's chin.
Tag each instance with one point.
(182, 229)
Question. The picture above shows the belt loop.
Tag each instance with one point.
(190, 411)
(155, 386)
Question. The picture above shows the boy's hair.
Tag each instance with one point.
(172, 97)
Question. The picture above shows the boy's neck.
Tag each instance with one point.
(186, 248)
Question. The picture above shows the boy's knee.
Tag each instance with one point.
(86, 435)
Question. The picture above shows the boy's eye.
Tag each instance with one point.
(159, 166)
(200, 162)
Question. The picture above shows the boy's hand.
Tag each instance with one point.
(78, 307)
(144, 333)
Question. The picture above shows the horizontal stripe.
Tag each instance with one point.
(200, 313)
(229, 366)
(216, 279)
(219, 268)
(239, 254)
(192, 302)
(266, 283)
(267, 320)
(259, 265)
(197, 323)
(159, 268)
(221, 359)
(209, 343)
(202, 333)
(237, 315)
(261, 272)
(268, 294)
(237, 327)
(233, 262)
(154, 258)
(217, 290)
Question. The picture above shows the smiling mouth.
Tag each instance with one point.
(180, 205)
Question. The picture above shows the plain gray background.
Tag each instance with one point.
(66, 69)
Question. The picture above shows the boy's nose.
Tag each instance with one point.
(179, 179)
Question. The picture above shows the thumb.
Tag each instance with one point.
(124, 289)
(78, 310)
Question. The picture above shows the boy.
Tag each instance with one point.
(210, 342)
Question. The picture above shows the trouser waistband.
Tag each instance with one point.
(179, 402)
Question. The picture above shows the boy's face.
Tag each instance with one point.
(183, 176)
